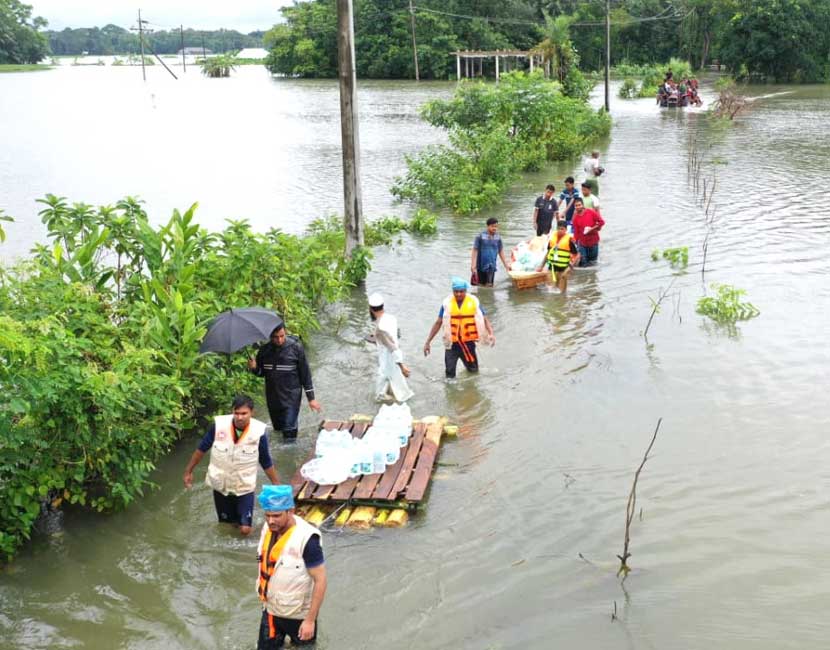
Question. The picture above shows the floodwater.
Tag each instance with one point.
(526, 513)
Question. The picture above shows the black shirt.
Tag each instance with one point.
(547, 208)
(285, 369)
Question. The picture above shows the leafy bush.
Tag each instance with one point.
(495, 133)
(628, 90)
(726, 306)
(219, 65)
(99, 343)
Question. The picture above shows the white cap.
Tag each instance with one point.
(376, 300)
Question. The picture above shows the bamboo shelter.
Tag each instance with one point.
(471, 62)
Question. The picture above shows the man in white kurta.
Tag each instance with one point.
(392, 373)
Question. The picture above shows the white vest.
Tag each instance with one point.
(233, 467)
(290, 586)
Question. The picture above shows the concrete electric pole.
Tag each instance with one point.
(607, 55)
(353, 202)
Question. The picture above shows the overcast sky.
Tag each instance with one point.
(242, 15)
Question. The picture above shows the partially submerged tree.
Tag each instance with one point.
(218, 66)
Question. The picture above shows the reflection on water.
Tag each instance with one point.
(730, 551)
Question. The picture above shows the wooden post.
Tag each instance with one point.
(497, 67)
(531, 63)
(607, 54)
(184, 61)
(141, 41)
(352, 199)
(414, 44)
(458, 65)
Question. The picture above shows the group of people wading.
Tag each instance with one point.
(571, 223)
(291, 574)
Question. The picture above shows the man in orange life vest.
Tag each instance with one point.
(292, 573)
(464, 323)
(237, 444)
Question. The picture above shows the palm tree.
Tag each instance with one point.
(218, 66)
(557, 50)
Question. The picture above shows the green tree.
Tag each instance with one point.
(779, 40)
(21, 40)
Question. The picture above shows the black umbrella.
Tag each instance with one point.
(233, 330)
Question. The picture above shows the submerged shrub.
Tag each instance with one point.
(725, 306)
(495, 133)
(100, 367)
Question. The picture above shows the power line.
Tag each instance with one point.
(515, 21)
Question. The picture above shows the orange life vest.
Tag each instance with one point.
(463, 320)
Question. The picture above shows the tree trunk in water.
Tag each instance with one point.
(707, 38)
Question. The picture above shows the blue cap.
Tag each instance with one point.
(276, 498)
(459, 284)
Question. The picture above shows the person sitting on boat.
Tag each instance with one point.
(563, 255)
(464, 322)
(587, 224)
(682, 93)
(487, 248)
(694, 96)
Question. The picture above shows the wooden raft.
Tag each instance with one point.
(374, 499)
(529, 280)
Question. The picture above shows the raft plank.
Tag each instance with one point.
(390, 476)
(426, 460)
(412, 451)
(300, 485)
(343, 491)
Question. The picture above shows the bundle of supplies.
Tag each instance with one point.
(528, 256)
(339, 456)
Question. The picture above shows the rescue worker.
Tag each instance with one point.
(283, 363)
(563, 255)
(292, 574)
(237, 443)
(464, 322)
(392, 372)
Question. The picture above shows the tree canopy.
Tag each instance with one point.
(112, 39)
(21, 40)
(776, 40)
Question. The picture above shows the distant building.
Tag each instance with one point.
(257, 53)
(193, 51)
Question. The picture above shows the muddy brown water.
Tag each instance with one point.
(731, 549)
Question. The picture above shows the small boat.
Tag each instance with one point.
(525, 258)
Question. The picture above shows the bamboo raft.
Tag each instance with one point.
(369, 500)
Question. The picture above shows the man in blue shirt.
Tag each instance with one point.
(566, 200)
(237, 444)
(487, 248)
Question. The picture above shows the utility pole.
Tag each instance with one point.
(204, 51)
(184, 61)
(414, 43)
(141, 41)
(607, 55)
(353, 202)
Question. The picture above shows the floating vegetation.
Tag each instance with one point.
(726, 306)
(677, 257)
